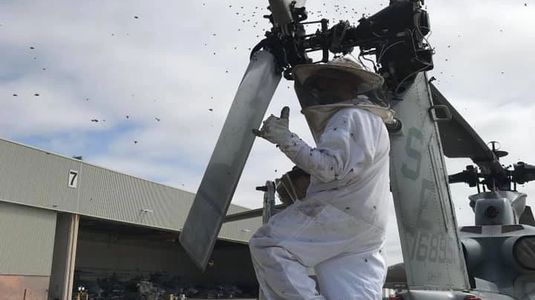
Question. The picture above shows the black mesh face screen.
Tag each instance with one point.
(327, 87)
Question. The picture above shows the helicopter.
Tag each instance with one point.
(499, 249)
(440, 261)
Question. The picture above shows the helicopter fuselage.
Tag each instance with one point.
(499, 252)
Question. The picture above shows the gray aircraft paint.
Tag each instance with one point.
(228, 159)
(281, 12)
(233, 146)
(427, 226)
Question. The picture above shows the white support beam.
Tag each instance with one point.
(64, 258)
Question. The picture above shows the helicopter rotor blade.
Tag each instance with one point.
(459, 139)
(221, 177)
(254, 213)
(228, 159)
(424, 209)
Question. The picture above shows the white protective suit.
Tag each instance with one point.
(339, 228)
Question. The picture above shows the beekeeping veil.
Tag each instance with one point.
(324, 89)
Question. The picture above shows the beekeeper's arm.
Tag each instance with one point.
(341, 149)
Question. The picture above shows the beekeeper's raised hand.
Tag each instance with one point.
(275, 129)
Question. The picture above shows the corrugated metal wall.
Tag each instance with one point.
(35, 177)
(111, 195)
(38, 178)
(26, 240)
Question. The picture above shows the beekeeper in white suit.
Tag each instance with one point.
(339, 227)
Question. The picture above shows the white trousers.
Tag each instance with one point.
(284, 249)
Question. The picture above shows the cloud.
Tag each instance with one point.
(160, 77)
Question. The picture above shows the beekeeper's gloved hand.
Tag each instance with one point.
(276, 129)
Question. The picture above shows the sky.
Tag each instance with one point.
(143, 87)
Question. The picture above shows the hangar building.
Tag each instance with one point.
(63, 221)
